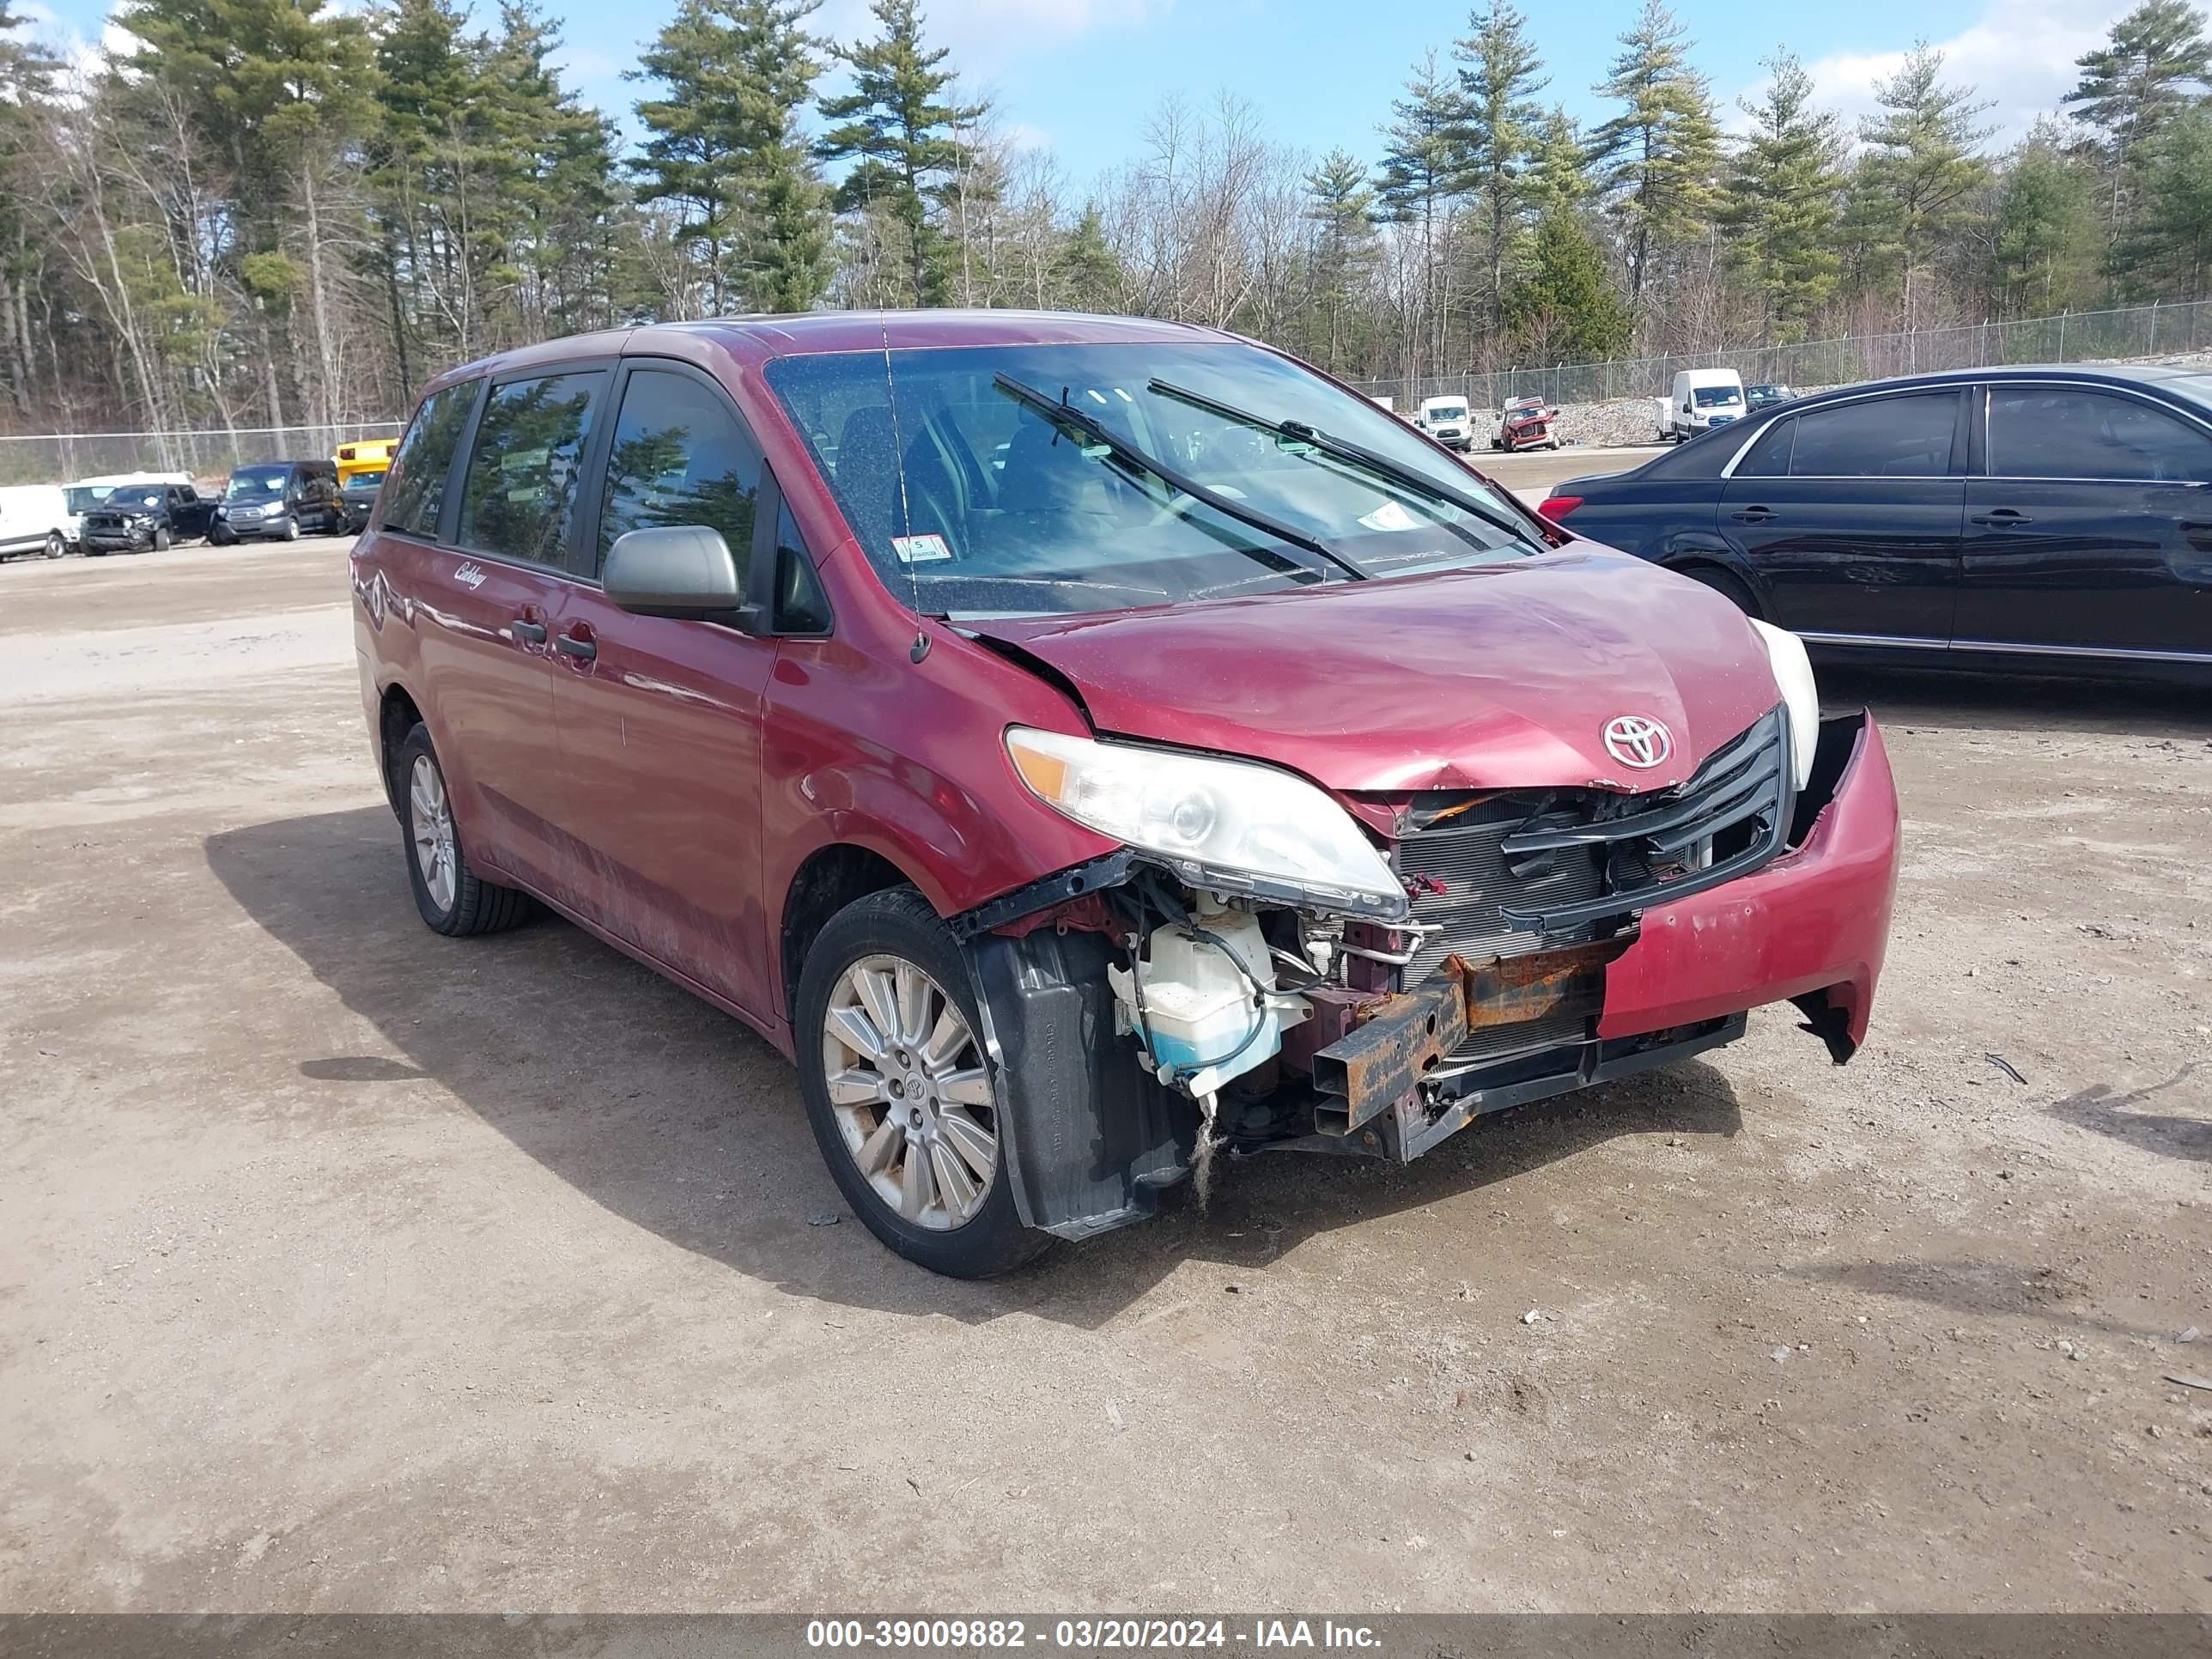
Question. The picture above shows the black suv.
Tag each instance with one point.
(281, 500)
(133, 518)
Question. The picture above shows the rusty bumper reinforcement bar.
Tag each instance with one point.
(1403, 1039)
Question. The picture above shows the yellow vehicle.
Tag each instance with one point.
(362, 466)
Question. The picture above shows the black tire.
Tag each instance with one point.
(478, 906)
(291, 530)
(899, 922)
(222, 534)
(1729, 587)
(161, 538)
(57, 544)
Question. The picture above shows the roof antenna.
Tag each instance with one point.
(919, 649)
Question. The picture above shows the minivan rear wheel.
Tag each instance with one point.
(899, 1089)
(451, 897)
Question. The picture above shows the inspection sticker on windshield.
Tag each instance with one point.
(1390, 516)
(920, 550)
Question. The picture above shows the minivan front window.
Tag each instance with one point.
(255, 484)
(1718, 397)
(971, 500)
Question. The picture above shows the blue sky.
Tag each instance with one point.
(1080, 75)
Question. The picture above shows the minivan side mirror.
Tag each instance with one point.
(685, 571)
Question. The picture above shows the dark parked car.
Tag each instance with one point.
(358, 498)
(1757, 398)
(281, 500)
(2026, 518)
(133, 518)
(1123, 744)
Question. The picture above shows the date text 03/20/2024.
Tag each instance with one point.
(1086, 1635)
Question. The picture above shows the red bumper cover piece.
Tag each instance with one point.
(1815, 920)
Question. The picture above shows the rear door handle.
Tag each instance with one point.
(577, 646)
(2002, 517)
(1754, 515)
(530, 633)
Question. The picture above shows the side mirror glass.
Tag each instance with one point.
(684, 571)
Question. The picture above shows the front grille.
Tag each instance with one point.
(1526, 870)
(1463, 856)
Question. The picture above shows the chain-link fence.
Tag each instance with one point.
(63, 458)
(2133, 331)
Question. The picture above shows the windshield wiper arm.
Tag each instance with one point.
(1062, 413)
(1358, 454)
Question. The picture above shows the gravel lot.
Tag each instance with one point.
(343, 1266)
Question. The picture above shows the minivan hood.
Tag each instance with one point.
(1501, 676)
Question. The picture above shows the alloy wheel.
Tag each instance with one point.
(910, 1091)
(430, 822)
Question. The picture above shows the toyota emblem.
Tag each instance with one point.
(1637, 740)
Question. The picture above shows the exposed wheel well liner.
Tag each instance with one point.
(830, 879)
(397, 715)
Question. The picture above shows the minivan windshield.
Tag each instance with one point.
(1447, 411)
(972, 502)
(82, 498)
(1718, 397)
(255, 482)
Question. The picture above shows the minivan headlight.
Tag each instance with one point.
(1225, 826)
(1793, 674)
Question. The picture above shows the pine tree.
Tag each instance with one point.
(1922, 167)
(2168, 251)
(1558, 166)
(1498, 81)
(2042, 233)
(1565, 308)
(2153, 65)
(898, 130)
(1657, 159)
(1782, 200)
(1423, 176)
(1340, 204)
(1089, 274)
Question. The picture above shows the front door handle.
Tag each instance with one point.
(581, 646)
(530, 633)
(2002, 517)
(1754, 515)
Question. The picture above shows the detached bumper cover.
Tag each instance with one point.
(1812, 924)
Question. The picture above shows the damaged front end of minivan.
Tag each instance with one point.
(1269, 989)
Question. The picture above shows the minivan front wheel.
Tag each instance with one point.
(899, 1089)
(291, 530)
(449, 895)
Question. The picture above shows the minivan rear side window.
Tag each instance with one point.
(415, 489)
(1906, 437)
(521, 491)
(680, 457)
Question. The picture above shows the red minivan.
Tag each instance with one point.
(1089, 746)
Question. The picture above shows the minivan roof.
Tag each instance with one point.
(753, 340)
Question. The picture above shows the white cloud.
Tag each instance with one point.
(2018, 55)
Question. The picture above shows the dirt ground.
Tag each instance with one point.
(346, 1267)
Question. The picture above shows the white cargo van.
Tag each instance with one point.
(1445, 419)
(1704, 398)
(34, 519)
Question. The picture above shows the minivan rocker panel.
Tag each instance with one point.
(1083, 790)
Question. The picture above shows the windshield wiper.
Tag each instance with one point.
(1064, 414)
(1344, 449)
